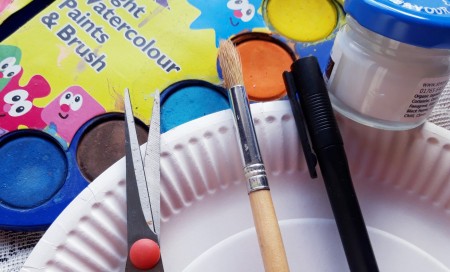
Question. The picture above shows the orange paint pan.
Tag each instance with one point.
(264, 59)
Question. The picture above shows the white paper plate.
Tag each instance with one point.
(402, 181)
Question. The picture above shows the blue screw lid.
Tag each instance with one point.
(424, 23)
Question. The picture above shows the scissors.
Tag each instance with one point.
(143, 193)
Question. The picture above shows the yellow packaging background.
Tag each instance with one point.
(46, 54)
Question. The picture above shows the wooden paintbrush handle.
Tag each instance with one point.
(268, 232)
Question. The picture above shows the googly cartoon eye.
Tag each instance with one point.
(4, 64)
(77, 102)
(248, 13)
(16, 96)
(11, 71)
(66, 98)
(20, 108)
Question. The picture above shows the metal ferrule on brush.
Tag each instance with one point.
(254, 170)
(256, 177)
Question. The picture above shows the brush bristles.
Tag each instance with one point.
(230, 62)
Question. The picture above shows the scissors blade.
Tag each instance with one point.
(152, 164)
(133, 152)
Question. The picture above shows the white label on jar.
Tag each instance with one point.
(426, 96)
(335, 57)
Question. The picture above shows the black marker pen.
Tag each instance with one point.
(329, 149)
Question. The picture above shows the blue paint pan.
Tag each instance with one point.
(33, 173)
(187, 100)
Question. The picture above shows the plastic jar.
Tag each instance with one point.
(390, 62)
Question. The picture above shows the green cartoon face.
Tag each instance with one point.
(9, 63)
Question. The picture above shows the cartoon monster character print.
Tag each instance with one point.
(9, 64)
(69, 111)
(227, 18)
(17, 105)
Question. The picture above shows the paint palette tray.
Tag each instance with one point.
(401, 179)
(65, 71)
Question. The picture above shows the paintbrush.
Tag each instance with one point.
(264, 217)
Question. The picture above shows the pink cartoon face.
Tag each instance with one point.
(70, 110)
(16, 103)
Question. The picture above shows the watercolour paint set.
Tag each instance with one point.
(67, 67)
(326, 101)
